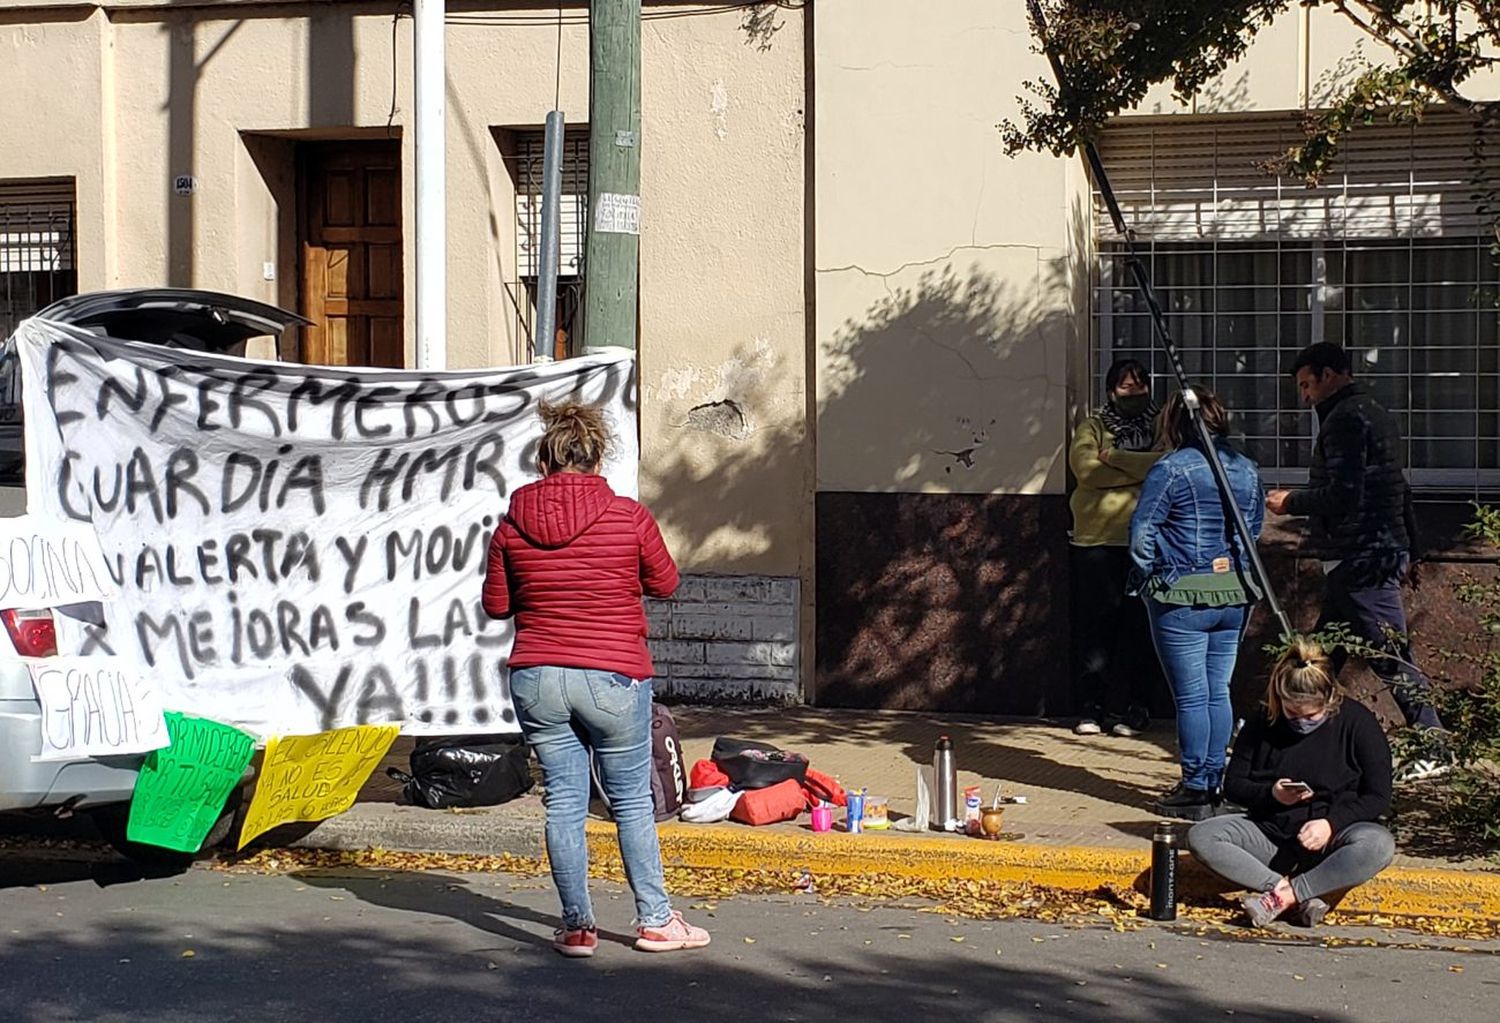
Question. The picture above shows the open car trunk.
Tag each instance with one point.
(202, 321)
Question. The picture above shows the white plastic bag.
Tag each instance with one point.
(918, 820)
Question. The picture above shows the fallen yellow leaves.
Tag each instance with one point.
(282, 861)
(1124, 909)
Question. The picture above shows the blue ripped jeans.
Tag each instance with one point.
(564, 712)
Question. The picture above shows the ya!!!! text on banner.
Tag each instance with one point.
(297, 548)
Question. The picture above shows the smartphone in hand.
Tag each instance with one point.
(1299, 787)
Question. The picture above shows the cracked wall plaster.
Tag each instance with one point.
(724, 417)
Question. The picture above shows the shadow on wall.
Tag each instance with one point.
(991, 344)
(928, 600)
(194, 43)
(724, 487)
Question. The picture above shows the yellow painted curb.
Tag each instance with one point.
(1471, 895)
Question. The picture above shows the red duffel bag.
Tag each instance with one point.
(818, 785)
(780, 802)
(706, 775)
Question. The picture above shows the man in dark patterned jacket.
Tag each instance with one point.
(1360, 520)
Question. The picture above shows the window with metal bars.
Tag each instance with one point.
(37, 264)
(1389, 256)
(526, 151)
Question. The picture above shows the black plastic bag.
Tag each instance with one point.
(466, 770)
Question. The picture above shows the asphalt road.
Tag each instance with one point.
(87, 942)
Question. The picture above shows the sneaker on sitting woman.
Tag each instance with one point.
(1308, 914)
(1087, 726)
(1264, 908)
(675, 934)
(576, 942)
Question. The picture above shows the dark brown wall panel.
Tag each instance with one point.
(953, 602)
(959, 603)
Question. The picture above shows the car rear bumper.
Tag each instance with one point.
(25, 785)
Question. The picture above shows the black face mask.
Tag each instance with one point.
(1131, 404)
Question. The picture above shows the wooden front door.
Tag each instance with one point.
(351, 253)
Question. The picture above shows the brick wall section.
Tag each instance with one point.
(727, 639)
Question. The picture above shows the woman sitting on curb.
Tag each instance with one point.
(1314, 774)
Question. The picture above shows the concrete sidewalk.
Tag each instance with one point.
(1086, 821)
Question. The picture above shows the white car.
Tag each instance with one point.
(198, 320)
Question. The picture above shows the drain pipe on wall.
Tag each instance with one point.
(430, 114)
(544, 340)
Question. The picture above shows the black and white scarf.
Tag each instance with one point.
(1131, 433)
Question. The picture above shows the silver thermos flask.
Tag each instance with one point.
(945, 786)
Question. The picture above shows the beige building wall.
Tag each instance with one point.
(223, 93)
(53, 69)
(1302, 60)
(951, 341)
(945, 305)
(951, 280)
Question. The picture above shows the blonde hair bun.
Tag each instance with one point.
(575, 436)
(1302, 675)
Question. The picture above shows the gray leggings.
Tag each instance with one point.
(1235, 848)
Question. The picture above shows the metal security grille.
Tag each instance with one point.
(37, 257)
(529, 149)
(1389, 256)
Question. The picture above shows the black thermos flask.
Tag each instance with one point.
(1164, 872)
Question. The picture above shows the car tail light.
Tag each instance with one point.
(32, 632)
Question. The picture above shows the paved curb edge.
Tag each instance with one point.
(1425, 892)
(1396, 892)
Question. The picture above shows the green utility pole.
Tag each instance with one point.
(612, 256)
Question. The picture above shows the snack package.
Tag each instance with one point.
(971, 809)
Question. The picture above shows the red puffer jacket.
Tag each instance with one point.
(570, 561)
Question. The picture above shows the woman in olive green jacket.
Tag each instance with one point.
(1111, 453)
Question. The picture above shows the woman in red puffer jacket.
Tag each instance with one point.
(570, 561)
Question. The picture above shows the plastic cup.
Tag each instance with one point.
(822, 818)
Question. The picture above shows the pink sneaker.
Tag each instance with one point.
(675, 934)
(578, 943)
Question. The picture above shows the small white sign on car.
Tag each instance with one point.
(96, 707)
(47, 563)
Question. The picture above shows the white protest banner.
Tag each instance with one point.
(95, 707)
(49, 563)
(310, 540)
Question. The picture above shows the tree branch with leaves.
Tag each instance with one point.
(1114, 51)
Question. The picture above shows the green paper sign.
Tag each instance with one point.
(182, 789)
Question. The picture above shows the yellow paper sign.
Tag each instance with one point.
(314, 777)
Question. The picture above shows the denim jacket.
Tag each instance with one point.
(1179, 526)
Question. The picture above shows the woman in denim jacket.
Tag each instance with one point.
(1191, 570)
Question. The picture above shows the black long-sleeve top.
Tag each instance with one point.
(1356, 495)
(1347, 761)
